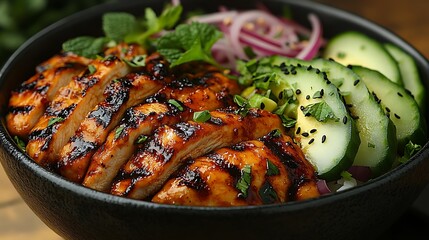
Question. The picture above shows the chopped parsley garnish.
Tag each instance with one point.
(21, 144)
(240, 101)
(189, 42)
(202, 116)
(243, 183)
(176, 104)
(54, 120)
(288, 122)
(321, 111)
(276, 133)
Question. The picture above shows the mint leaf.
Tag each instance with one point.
(409, 151)
(202, 116)
(189, 42)
(321, 111)
(117, 25)
(153, 24)
(85, 46)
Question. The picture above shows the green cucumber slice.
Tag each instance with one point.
(398, 104)
(355, 48)
(376, 131)
(409, 72)
(330, 144)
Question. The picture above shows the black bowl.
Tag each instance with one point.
(75, 212)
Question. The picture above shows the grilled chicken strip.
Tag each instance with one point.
(29, 101)
(69, 107)
(254, 172)
(120, 95)
(207, 92)
(170, 146)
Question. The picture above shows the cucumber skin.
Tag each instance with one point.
(343, 42)
(419, 135)
(410, 74)
(349, 154)
(386, 162)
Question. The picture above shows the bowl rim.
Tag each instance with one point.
(11, 148)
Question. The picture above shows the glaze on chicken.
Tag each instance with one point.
(130, 131)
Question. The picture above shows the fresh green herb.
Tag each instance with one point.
(116, 25)
(142, 139)
(243, 183)
(409, 151)
(189, 42)
(21, 144)
(288, 122)
(267, 193)
(272, 169)
(346, 175)
(121, 26)
(240, 101)
(277, 133)
(91, 69)
(85, 46)
(153, 24)
(321, 111)
(137, 61)
(118, 131)
(54, 120)
(249, 52)
(176, 104)
(202, 116)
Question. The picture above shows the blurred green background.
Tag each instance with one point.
(20, 19)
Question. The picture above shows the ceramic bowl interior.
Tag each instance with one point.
(75, 212)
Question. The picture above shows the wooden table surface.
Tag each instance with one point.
(409, 19)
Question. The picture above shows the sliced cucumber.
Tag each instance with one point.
(398, 104)
(376, 131)
(330, 144)
(355, 48)
(409, 73)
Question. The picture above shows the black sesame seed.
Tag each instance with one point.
(345, 119)
(323, 138)
(305, 134)
(311, 141)
(313, 130)
(317, 71)
(322, 92)
(400, 94)
(307, 97)
(309, 68)
(262, 105)
(298, 92)
(293, 71)
(387, 109)
(356, 82)
(397, 116)
(298, 130)
(302, 108)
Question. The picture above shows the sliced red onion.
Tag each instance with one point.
(314, 42)
(361, 173)
(322, 186)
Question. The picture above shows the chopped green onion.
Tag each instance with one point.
(176, 104)
(142, 139)
(202, 116)
(118, 131)
(272, 169)
(20, 143)
(243, 183)
(54, 120)
(91, 69)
